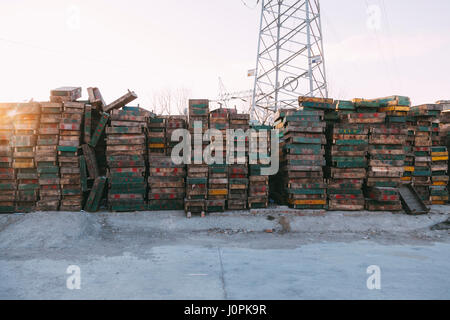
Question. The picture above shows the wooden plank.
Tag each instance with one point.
(383, 206)
(95, 196)
(121, 102)
(90, 161)
(83, 174)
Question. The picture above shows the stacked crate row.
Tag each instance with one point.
(439, 160)
(444, 123)
(26, 124)
(47, 157)
(365, 118)
(348, 164)
(166, 178)
(70, 130)
(218, 171)
(126, 154)
(166, 184)
(197, 170)
(445, 134)
(302, 158)
(174, 123)
(439, 175)
(348, 167)
(386, 167)
(338, 201)
(423, 115)
(259, 157)
(397, 110)
(237, 159)
(328, 107)
(157, 136)
(387, 155)
(409, 151)
(8, 184)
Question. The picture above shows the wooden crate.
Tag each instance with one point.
(121, 102)
(164, 205)
(99, 130)
(95, 98)
(71, 93)
(96, 194)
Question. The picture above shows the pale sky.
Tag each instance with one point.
(149, 45)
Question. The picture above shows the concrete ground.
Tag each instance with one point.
(237, 255)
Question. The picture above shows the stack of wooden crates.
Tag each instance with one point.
(259, 157)
(26, 125)
(197, 170)
(157, 136)
(166, 178)
(445, 136)
(218, 172)
(126, 154)
(238, 161)
(8, 184)
(47, 157)
(174, 123)
(68, 156)
(424, 115)
(166, 184)
(387, 155)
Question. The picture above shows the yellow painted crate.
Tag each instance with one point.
(156, 146)
(218, 192)
(394, 108)
(406, 178)
(23, 164)
(397, 113)
(315, 100)
(439, 154)
(308, 202)
(439, 183)
(409, 169)
(439, 158)
(439, 198)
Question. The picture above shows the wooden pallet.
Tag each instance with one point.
(195, 207)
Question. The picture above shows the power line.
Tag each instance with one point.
(61, 53)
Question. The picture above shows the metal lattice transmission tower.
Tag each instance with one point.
(290, 59)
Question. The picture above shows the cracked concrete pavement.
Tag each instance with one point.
(162, 255)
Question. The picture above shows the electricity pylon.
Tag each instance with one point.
(290, 60)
